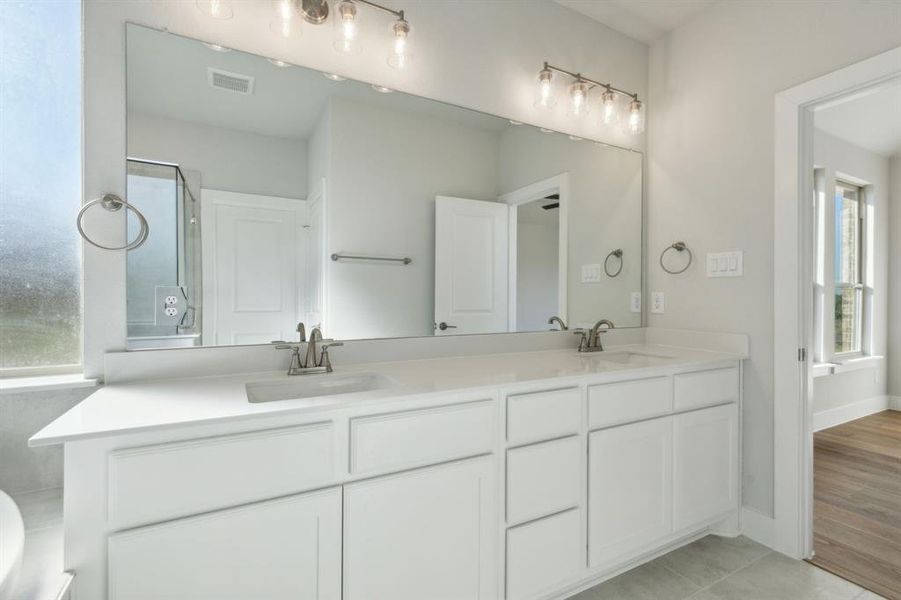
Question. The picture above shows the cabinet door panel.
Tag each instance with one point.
(282, 549)
(629, 488)
(429, 533)
(705, 468)
(544, 554)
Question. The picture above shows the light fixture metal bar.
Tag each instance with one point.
(581, 77)
(397, 13)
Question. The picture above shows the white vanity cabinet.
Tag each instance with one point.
(284, 549)
(428, 533)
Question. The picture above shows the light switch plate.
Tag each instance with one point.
(725, 264)
(658, 302)
(170, 305)
(591, 273)
(635, 302)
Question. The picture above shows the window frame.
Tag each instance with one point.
(860, 285)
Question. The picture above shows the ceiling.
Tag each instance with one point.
(167, 77)
(870, 119)
(644, 20)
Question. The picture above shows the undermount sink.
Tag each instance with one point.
(315, 386)
(627, 357)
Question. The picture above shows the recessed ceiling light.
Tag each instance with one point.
(216, 47)
(278, 63)
(512, 122)
(543, 130)
(381, 89)
(333, 77)
(575, 138)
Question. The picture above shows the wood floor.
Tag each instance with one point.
(857, 502)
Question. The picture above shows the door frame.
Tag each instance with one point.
(524, 195)
(792, 528)
(210, 200)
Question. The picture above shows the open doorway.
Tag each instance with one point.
(837, 205)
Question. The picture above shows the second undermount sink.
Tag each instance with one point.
(628, 357)
(315, 386)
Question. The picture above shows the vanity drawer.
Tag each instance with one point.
(543, 479)
(394, 441)
(625, 401)
(544, 554)
(164, 481)
(706, 388)
(543, 415)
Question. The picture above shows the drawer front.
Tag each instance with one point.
(164, 481)
(625, 401)
(544, 554)
(706, 388)
(543, 415)
(395, 441)
(543, 479)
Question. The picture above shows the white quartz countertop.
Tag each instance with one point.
(144, 406)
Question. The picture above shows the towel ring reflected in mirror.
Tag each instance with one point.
(113, 203)
(618, 253)
(678, 247)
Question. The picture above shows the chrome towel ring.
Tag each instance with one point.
(112, 203)
(678, 247)
(618, 253)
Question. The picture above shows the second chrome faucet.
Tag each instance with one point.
(317, 359)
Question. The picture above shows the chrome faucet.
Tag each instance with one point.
(592, 341)
(314, 362)
(559, 321)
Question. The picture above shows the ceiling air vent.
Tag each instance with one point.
(233, 82)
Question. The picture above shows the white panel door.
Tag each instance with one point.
(470, 266)
(429, 533)
(705, 472)
(252, 266)
(630, 486)
(286, 549)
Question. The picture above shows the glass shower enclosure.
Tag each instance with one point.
(164, 274)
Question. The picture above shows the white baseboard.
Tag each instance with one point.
(849, 412)
(894, 402)
(758, 527)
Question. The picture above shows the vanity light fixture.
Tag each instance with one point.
(286, 21)
(217, 9)
(579, 100)
(346, 28)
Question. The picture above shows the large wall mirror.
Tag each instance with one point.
(278, 194)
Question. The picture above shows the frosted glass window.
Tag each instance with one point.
(40, 184)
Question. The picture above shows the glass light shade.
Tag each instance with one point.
(217, 9)
(609, 108)
(347, 28)
(578, 99)
(544, 96)
(286, 21)
(635, 121)
(399, 57)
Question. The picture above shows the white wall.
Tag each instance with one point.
(537, 270)
(839, 159)
(604, 214)
(228, 159)
(710, 168)
(386, 168)
(894, 278)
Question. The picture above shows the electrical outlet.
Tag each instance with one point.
(171, 300)
(658, 302)
(169, 305)
(635, 302)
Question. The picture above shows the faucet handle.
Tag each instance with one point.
(324, 360)
(279, 345)
(583, 341)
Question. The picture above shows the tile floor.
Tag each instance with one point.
(41, 577)
(712, 568)
(718, 568)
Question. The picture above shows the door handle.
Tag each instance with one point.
(443, 326)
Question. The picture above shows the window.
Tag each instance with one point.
(848, 264)
(40, 186)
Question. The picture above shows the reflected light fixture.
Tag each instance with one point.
(286, 21)
(334, 77)
(400, 52)
(382, 89)
(278, 63)
(579, 102)
(216, 47)
(217, 9)
(346, 29)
